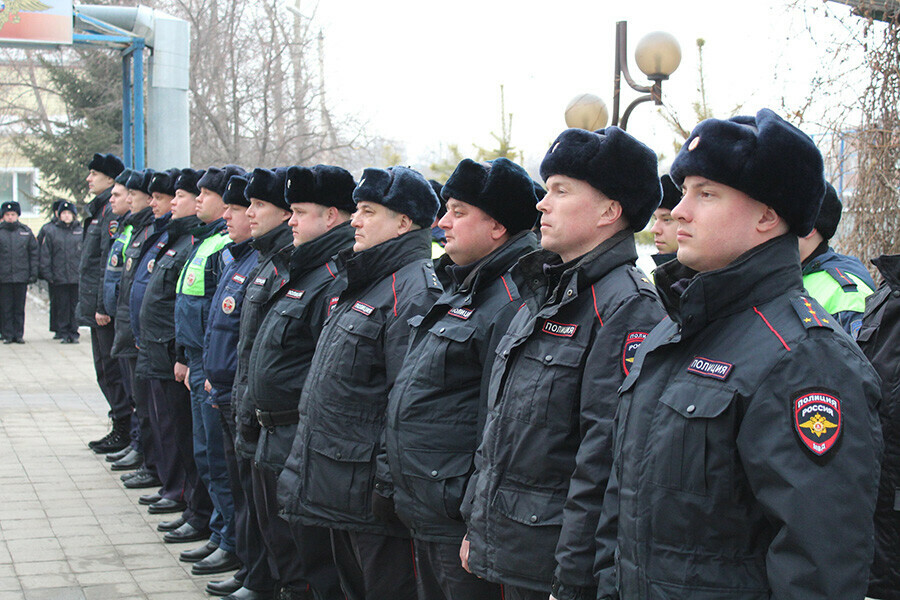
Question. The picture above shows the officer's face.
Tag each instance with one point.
(97, 181)
(209, 205)
(184, 204)
(664, 231)
(160, 203)
(716, 224)
(66, 216)
(308, 221)
(118, 200)
(10, 216)
(237, 223)
(138, 200)
(265, 216)
(375, 223)
(572, 213)
(471, 233)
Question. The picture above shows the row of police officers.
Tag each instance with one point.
(335, 414)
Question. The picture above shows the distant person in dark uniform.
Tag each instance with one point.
(664, 225)
(18, 268)
(60, 253)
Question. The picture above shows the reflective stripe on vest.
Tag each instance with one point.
(192, 281)
(117, 251)
(833, 298)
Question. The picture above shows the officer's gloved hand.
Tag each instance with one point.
(383, 509)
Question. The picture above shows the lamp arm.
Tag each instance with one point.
(624, 123)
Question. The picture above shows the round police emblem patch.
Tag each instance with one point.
(128, 264)
(114, 260)
(228, 305)
(150, 265)
(189, 280)
(817, 420)
(632, 343)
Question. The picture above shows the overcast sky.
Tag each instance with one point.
(428, 73)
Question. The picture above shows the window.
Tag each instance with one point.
(19, 185)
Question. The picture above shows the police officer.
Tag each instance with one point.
(162, 191)
(747, 444)
(158, 361)
(321, 200)
(137, 227)
(196, 286)
(838, 282)
(18, 268)
(268, 214)
(664, 226)
(387, 278)
(437, 407)
(546, 452)
(100, 227)
(878, 338)
(219, 363)
(60, 253)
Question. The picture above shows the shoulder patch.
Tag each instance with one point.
(113, 228)
(817, 420)
(632, 343)
(847, 283)
(332, 302)
(811, 315)
(705, 367)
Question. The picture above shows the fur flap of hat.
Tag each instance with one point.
(400, 189)
(163, 182)
(326, 185)
(268, 185)
(10, 206)
(671, 192)
(764, 157)
(501, 188)
(108, 164)
(234, 190)
(215, 179)
(830, 213)
(613, 162)
(187, 181)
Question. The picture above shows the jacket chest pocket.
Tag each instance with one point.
(291, 320)
(545, 386)
(339, 473)
(169, 271)
(450, 352)
(692, 439)
(358, 352)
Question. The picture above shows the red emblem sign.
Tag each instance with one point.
(632, 343)
(817, 421)
(228, 305)
(150, 265)
(190, 278)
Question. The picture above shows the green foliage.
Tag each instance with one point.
(61, 148)
(504, 148)
(443, 168)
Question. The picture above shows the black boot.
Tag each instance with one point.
(93, 444)
(119, 438)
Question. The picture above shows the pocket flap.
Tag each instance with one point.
(530, 507)
(363, 326)
(436, 464)
(692, 404)
(565, 356)
(339, 449)
(453, 332)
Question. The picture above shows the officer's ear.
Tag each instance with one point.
(771, 222)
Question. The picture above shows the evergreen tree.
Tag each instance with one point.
(89, 85)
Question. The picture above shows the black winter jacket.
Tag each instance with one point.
(329, 477)
(141, 235)
(270, 275)
(879, 338)
(18, 253)
(542, 467)
(156, 358)
(437, 407)
(747, 444)
(284, 347)
(100, 228)
(60, 252)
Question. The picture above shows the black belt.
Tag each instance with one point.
(277, 417)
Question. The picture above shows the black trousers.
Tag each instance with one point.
(440, 576)
(511, 592)
(63, 299)
(142, 434)
(299, 555)
(109, 374)
(248, 541)
(12, 310)
(373, 566)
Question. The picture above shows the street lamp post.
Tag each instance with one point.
(657, 55)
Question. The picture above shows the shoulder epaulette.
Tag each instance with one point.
(431, 279)
(844, 279)
(641, 280)
(811, 314)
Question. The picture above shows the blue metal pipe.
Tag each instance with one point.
(138, 85)
(126, 111)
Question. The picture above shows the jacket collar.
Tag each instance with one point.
(822, 254)
(315, 253)
(757, 276)
(239, 250)
(273, 241)
(534, 279)
(139, 219)
(204, 230)
(378, 261)
(179, 227)
(495, 264)
(889, 267)
(96, 205)
(660, 259)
